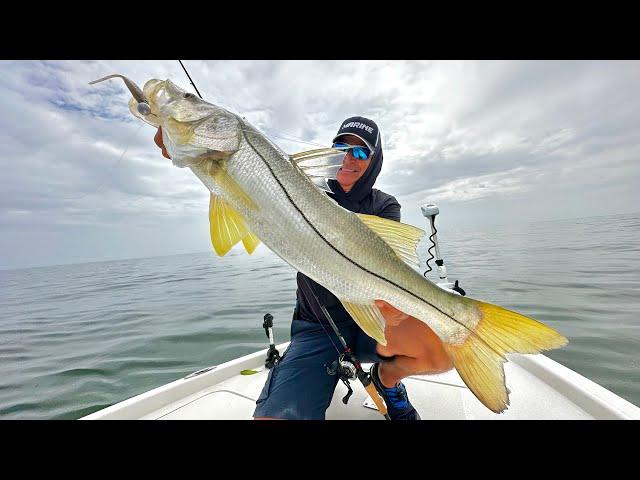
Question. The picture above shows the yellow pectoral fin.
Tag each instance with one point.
(368, 318)
(227, 227)
(402, 238)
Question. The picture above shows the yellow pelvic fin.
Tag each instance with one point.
(227, 227)
(402, 238)
(368, 318)
(479, 360)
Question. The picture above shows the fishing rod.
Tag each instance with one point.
(194, 85)
(275, 135)
(347, 365)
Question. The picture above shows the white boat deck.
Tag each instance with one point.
(540, 389)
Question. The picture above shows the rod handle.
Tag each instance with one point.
(375, 396)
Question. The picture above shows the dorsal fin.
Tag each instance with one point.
(318, 153)
(319, 165)
(402, 238)
(321, 183)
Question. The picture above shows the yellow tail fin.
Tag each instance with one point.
(479, 360)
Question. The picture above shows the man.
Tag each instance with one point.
(299, 387)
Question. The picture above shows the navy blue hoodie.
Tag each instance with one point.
(362, 198)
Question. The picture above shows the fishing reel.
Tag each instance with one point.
(346, 370)
(343, 367)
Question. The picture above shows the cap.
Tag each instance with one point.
(361, 127)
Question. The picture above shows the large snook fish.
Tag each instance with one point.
(260, 193)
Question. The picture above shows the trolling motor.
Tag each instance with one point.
(430, 210)
(273, 356)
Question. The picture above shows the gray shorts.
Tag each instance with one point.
(299, 387)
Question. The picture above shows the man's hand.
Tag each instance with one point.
(160, 143)
(392, 315)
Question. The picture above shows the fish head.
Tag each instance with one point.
(193, 130)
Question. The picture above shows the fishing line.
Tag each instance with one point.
(298, 140)
(194, 85)
(109, 174)
(302, 292)
(292, 138)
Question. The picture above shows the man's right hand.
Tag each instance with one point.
(160, 143)
(391, 315)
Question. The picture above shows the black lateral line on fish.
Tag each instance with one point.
(342, 254)
(471, 332)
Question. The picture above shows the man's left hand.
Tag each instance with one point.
(393, 317)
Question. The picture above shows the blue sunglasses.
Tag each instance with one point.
(357, 151)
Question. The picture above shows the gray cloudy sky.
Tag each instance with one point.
(491, 142)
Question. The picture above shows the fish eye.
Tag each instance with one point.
(188, 95)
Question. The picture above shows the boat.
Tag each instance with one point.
(541, 388)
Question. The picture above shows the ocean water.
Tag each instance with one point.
(77, 338)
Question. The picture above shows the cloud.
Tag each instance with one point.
(503, 137)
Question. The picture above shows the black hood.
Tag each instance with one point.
(362, 188)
